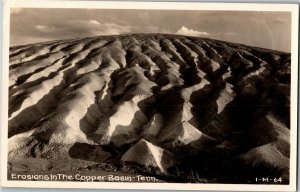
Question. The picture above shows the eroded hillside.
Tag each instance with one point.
(209, 110)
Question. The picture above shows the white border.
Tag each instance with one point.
(293, 8)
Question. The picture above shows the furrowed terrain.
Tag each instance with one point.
(182, 109)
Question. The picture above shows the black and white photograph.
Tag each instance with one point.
(150, 95)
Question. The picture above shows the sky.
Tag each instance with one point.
(270, 30)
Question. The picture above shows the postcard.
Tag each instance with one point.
(149, 95)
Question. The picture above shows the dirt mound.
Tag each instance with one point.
(149, 155)
(135, 97)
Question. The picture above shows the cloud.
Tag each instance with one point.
(44, 28)
(93, 27)
(15, 11)
(83, 28)
(94, 22)
(190, 32)
(69, 29)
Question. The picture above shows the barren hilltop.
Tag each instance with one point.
(183, 109)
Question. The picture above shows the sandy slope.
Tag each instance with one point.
(162, 101)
